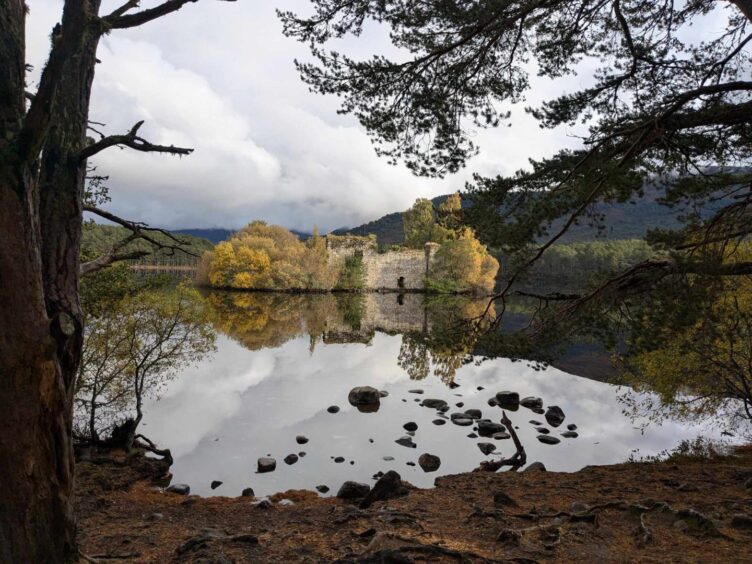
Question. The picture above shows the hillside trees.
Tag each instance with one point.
(43, 155)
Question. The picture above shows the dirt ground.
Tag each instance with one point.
(681, 510)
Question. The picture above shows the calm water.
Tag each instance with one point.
(283, 360)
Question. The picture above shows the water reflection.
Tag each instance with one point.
(284, 359)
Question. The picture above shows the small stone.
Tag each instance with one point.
(370, 440)
(389, 486)
(532, 402)
(332, 409)
(429, 462)
(410, 463)
(453, 385)
(301, 440)
(480, 388)
(291, 459)
(415, 391)
(383, 393)
(487, 448)
(353, 490)
(570, 434)
(535, 467)
(285, 502)
(537, 410)
(461, 419)
(548, 440)
(266, 464)
(507, 400)
(555, 415)
(542, 430)
(502, 436)
(410, 426)
(301, 454)
(492, 402)
(339, 459)
(180, 489)
(579, 507)
(263, 504)
(460, 404)
(406, 442)
(248, 492)
(474, 413)
(388, 458)
(439, 421)
(215, 484)
(365, 398)
(472, 436)
(434, 403)
(488, 428)
(535, 422)
(572, 427)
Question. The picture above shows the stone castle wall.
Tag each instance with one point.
(403, 269)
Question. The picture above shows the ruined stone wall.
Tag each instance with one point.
(397, 270)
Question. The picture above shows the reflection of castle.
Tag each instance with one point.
(397, 270)
(388, 313)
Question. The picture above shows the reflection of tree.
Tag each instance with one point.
(450, 337)
(265, 320)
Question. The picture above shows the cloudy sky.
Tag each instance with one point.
(219, 77)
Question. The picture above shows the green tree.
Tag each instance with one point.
(418, 223)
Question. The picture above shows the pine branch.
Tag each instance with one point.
(133, 141)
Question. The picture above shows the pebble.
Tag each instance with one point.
(291, 459)
(301, 440)
(215, 484)
(332, 409)
(410, 426)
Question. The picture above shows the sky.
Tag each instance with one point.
(219, 77)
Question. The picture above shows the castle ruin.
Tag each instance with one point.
(402, 270)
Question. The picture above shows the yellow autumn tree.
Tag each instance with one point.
(463, 264)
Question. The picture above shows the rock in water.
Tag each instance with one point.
(474, 413)
(322, 489)
(410, 426)
(339, 459)
(570, 434)
(215, 484)
(508, 400)
(353, 490)
(532, 402)
(301, 440)
(501, 436)
(414, 391)
(429, 462)
(291, 459)
(332, 409)
(487, 448)
(266, 464)
(535, 467)
(548, 440)
(365, 398)
(434, 403)
(439, 421)
(389, 486)
(489, 428)
(554, 415)
(542, 430)
(493, 403)
(180, 489)
(248, 492)
(462, 419)
(406, 442)
(572, 427)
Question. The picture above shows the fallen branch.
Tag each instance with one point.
(151, 447)
(516, 461)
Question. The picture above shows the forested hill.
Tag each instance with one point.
(629, 220)
(99, 239)
(214, 235)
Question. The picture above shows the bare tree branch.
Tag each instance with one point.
(133, 141)
(116, 254)
(120, 20)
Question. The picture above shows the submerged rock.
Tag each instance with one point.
(488, 428)
(353, 490)
(410, 426)
(180, 489)
(291, 459)
(429, 462)
(266, 464)
(406, 442)
(548, 440)
(487, 448)
(555, 415)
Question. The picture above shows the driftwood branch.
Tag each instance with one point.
(151, 447)
(132, 141)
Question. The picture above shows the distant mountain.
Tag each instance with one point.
(629, 220)
(214, 235)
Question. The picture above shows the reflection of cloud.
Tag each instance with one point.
(255, 403)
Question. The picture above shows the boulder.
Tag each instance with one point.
(429, 462)
(180, 489)
(332, 409)
(248, 492)
(548, 440)
(487, 448)
(535, 467)
(291, 459)
(410, 426)
(215, 484)
(389, 486)
(353, 490)
(406, 442)
(266, 464)
(508, 400)
(555, 415)
(364, 396)
(489, 428)
(532, 402)
(301, 440)
(434, 403)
